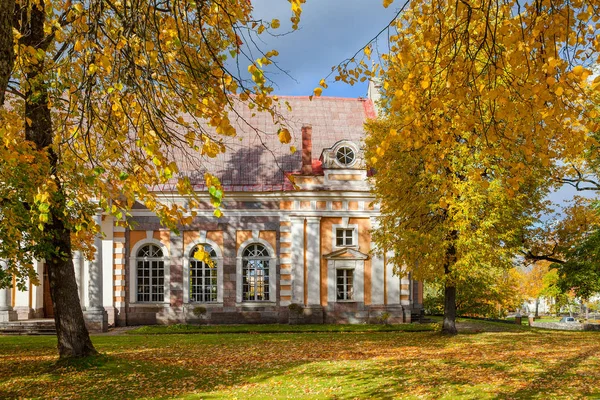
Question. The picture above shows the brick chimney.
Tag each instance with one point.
(307, 150)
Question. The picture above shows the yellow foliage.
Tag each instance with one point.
(132, 89)
(481, 107)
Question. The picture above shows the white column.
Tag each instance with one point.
(95, 314)
(107, 267)
(393, 283)
(6, 311)
(37, 295)
(95, 295)
(313, 259)
(297, 260)
(377, 271)
(77, 262)
(22, 306)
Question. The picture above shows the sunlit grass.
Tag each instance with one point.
(514, 363)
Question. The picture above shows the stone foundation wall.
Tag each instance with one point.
(337, 313)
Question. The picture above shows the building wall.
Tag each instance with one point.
(299, 230)
(292, 275)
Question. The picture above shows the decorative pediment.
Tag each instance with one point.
(346, 254)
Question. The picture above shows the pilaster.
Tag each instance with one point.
(297, 260)
(22, 306)
(95, 315)
(377, 271)
(313, 259)
(393, 283)
(108, 289)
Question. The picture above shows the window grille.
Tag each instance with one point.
(255, 273)
(150, 274)
(203, 277)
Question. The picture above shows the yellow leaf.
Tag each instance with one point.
(284, 135)
(386, 3)
(275, 24)
(559, 91)
(318, 91)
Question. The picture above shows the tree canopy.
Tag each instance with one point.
(483, 103)
(103, 102)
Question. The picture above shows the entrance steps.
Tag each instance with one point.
(28, 327)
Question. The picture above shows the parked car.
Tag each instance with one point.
(568, 320)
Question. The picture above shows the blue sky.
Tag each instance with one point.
(330, 31)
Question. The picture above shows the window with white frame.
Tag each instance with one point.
(344, 237)
(150, 274)
(255, 273)
(345, 155)
(344, 284)
(203, 277)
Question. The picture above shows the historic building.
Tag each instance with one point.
(282, 254)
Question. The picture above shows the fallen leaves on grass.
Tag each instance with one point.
(504, 364)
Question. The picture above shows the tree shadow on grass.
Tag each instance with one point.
(549, 377)
(375, 365)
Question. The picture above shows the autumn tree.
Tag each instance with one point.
(103, 102)
(532, 282)
(489, 293)
(482, 102)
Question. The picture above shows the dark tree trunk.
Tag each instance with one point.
(7, 56)
(449, 324)
(537, 307)
(73, 337)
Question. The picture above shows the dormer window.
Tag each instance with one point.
(344, 237)
(345, 155)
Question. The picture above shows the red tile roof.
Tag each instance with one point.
(255, 160)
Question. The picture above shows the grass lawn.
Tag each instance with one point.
(490, 361)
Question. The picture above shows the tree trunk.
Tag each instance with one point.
(7, 56)
(449, 324)
(537, 307)
(73, 336)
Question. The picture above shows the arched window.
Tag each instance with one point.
(150, 274)
(203, 277)
(255, 273)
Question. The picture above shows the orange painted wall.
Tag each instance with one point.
(189, 237)
(241, 237)
(192, 236)
(136, 236)
(164, 237)
(270, 237)
(326, 237)
(216, 236)
(364, 246)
